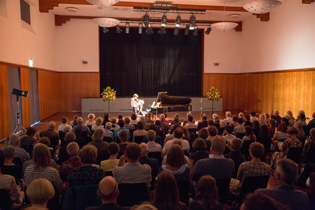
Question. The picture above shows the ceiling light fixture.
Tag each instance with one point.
(162, 30)
(106, 22)
(105, 30)
(187, 30)
(127, 28)
(146, 19)
(262, 6)
(178, 22)
(196, 32)
(224, 26)
(140, 28)
(149, 30)
(164, 21)
(208, 30)
(176, 31)
(118, 30)
(102, 3)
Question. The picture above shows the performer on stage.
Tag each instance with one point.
(136, 104)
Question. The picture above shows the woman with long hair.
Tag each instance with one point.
(249, 136)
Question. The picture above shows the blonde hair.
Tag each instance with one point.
(91, 116)
(290, 113)
(40, 191)
(98, 121)
(262, 117)
(98, 135)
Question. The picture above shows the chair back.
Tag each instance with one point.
(132, 194)
(183, 189)
(192, 130)
(223, 189)
(240, 135)
(245, 148)
(104, 155)
(295, 154)
(131, 134)
(139, 139)
(107, 139)
(252, 183)
(5, 200)
(17, 161)
(157, 156)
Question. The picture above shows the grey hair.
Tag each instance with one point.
(80, 120)
(67, 128)
(72, 149)
(108, 125)
(14, 139)
(262, 117)
(288, 170)
(301, 112)
(218, 144)
(228, 113)
(144, 148)
(223, 124)
(162, 117)
(51, 124)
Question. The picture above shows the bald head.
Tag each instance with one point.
(108, 189)
(217, 145)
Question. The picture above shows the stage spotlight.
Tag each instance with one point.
(192, 20)
(162, 30)
(149, 30)
(164, 21)
(140, 28)
(176, 31)
(105, 30)
(146, 19)
(18, 92)
(187, 30)
(127, 28)
(208, 30)
(178, 22)
(118, 30)
(196, 32)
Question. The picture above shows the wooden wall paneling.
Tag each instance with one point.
(48, 93)
(25, 102)
(4, 103)
(75, 86)
(307, 93)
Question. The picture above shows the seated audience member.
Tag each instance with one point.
(107, 131)
(261, 120)
(51, 134)
(134, 120)
(285, 120)
(203, 133)
(65, 130)
(190, 124)
(85, 129)
(120, 117)
(187, 120)
(142, 119)
(144, 206)
(281, 132)
(128, 125)
(171, 136)
(149, 120)
(86, 174)
(114, 127)
(186, 154)
(250, 168)
(240, 128)
(164, 125)
(216, 121)
(42, 169)
(64, 121)
(98, 124)
(267, 119)
(39, 192)
(213, 131)
(253, 117)
(308, 169)
(7, 182)
(278, 118)
(203, 123)
(121, 127)
(46, 141)
(152, 145)
(247, 121)
(241, 115)
(234, 121)
(178, 135)
(249, 136)
(264, 138)
(229, 136)
(28, 141)
(235, 154)
(74, 121)
(309, 149)
(165, 120)
(123, 137)
(186, 134)
(15, 142)
(256, 128)
(112, 162)
(176, 119)
(301, 118)
(206, 195)
(63, 155)
(166, 195)
(108, 192)
(140, 131)
(159, 131)
(10, 168)
(90, 120)
(216, 165)
(132, 171)
(106, 119)
(311, 124)
(153, 163)
(260, 201)
(199, 146)
(223, 125)
(285, 175)
(228, 118)
(97, 141)
(73, 162)
(272, 127)
(175, 122)
(301, 133)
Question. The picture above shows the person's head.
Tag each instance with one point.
(218, 145)
(203, 133)
(9, 152)
(299, 126)
(75, 117)
(272, 123)
(292, 131)
(288, 117)
(67, 128)
(253, 114)
(190, 118)
(108, 125)
(121, 123)
(223, 124)
(113, 120)
(123, 135)
(127, 121)
(139, 125)
(113, 148)
(301, 112)
(158, 123)
(289, 112)
(51, 125)
(262, 117)
(14, 140)
(80, 120)
(151, 135)
(162, 117)
(175, 156)
(282, 127)
(241, 115)
(264, 131)
(98, 121)
(248, 130)
(41, 156)
(149, 115)
(175, 126)
(88, 154)
(2, 158)
(276, 113)
(133, 152)
(144, 149)
(44, 140)
(312, 133)
(199, 145)
(135, 95)
(40, 191)
(106, 116)
(204, 117)
(213, 131)
(229, 129)
(31, 131)
(236, 144)
(256, 149)
(286, 171)
(176, 120)
(64, 120)
(234, 118)
(247, 118)
(267, 116)
(73, 149)
(144, 206)
(98, 135)
(240, 121)
(285, 120)
(255, 124)
(152, 127)
(166, 192)
(91, 116)
(133, 116)
(210, 122)
(178, 133)
(207, 192)
(78, 130)
(260, 201)
(228, 114)
(108, 189)
(70, 137)
(120, 117)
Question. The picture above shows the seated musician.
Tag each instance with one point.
(136, 104)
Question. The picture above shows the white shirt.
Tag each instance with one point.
(229, 138)
(168, 145)
(228, 120)
(134, 103)
(253, 118)
(94, 127)
(154, 147)
(62, 126)
(89, 123)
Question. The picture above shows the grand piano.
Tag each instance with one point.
(165, 103)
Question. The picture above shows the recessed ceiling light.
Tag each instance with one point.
(234, 15)
(71, 9)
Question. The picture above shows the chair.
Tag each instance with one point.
(240, 135)
(62, 138)
(139, 139)
(223, 189)
(101, 156)
(17, 161)
(295, 154)
(245, 148)
(81, 197)
(157, 156)
(132, 194)
(183, 189)
(192, 130)
(5, 200)
(107, 139)
(131, 134)
(252, 183)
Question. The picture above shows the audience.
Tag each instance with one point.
(140, 131)
(63, 155)
(20, 153)
(199, 146)
(229, 136)
(228, 118)
(264, 138)
(152, 145)
(73, 162)
(46, 141)
(98, 124)
(90, 120)
(260, 201)
(108, 132)
(106, 119)
(97, 141)
(256, 128)
(123, 137)
(203, 123)
(10, 168)
(239, 129)
(276, 114)
(121, 125)
(249, 136)
(128, 125)
(51, 134)
(64, 121)
(134, 120)
(153, 163)
(235, 154)
(190, 124)
(253, 117)
(85, 129)
(247, 121)
(178, 135)
(28, 141)
(112, 162)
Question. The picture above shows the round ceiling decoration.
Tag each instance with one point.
(106, 22)
(262, 6)
(224, 26)
(103, 3)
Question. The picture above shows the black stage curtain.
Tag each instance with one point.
(148, 64)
